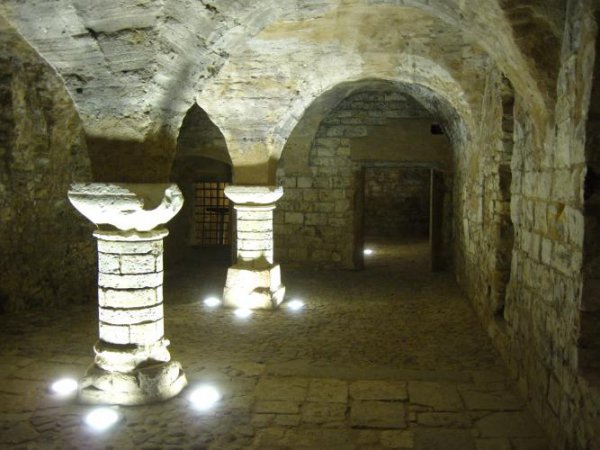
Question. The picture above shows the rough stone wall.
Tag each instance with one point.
(316, 220)
(47, 252)
(396, 202)
(538, 329)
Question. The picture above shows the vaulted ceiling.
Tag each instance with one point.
(135, 68)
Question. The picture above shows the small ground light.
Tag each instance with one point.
(64, 387)
(243, 313)
(212, 302)
(368, 251)
(295, 305)
(101, 419)
(204, 397)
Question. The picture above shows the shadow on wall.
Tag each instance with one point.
(202, 156)
(47, 252)
(117, 160)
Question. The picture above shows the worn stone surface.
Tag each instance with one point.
(281, 386)
(512, 81)
(46, 254)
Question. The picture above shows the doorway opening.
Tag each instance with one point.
(212, 214)
(201, 168)
(403, 218)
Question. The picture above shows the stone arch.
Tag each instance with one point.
(432, 81)
(201, 156)
(311, 230)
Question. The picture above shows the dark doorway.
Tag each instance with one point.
(396, 218)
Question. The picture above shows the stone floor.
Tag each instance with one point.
(391, 357)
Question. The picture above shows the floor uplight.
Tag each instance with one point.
(368, 251)
(243, 313)
(204, 397)
(64, 387)
(212, 302)
(295, 305)
(101, 419)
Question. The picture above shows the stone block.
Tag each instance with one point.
(305, 182)
(289, 182)
(443, 419)
(131, 264)
(134, 298)
(287, 420)
(252, 214)
(282, 388)
(298, 254)
(114, 334)
(255, 235)
(108, 263)
(130, 316)
(310, 195)
(317, 438)
(378, 390)
(262, 245)
(440, 397)
(325, 207)
(294, 218)
(374, 414)
(397, 439)
(323, 413)
(135, 281)
(130, 247)
(254, 226)
(325, 390)
(255, 255)
(277, 407)
(316, 219)
(146, 333)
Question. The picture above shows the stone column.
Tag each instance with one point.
(254, 280)
(132, 365)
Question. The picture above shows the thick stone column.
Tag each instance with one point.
(254, 281)
(132, 365)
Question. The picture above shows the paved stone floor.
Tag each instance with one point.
(391, 357)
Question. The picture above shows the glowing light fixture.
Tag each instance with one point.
(204, 397)
(212, 302)
(368, 251)
(243, 313)
(64, 387)
(295, 305)
(101, 419)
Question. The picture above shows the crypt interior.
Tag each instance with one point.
(312, 224)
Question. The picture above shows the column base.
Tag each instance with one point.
(151, 383)
(253, 287)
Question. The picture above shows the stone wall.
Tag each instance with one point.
(47, 252)
(316, 221)
(396, 202)
(538, 326)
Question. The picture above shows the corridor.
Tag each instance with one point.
(382, 358)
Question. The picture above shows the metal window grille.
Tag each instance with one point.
(211, 214)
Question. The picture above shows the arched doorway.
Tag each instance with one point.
(201, 169)
(360, 168)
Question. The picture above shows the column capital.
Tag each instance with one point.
(253, 195)
(127, 206)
